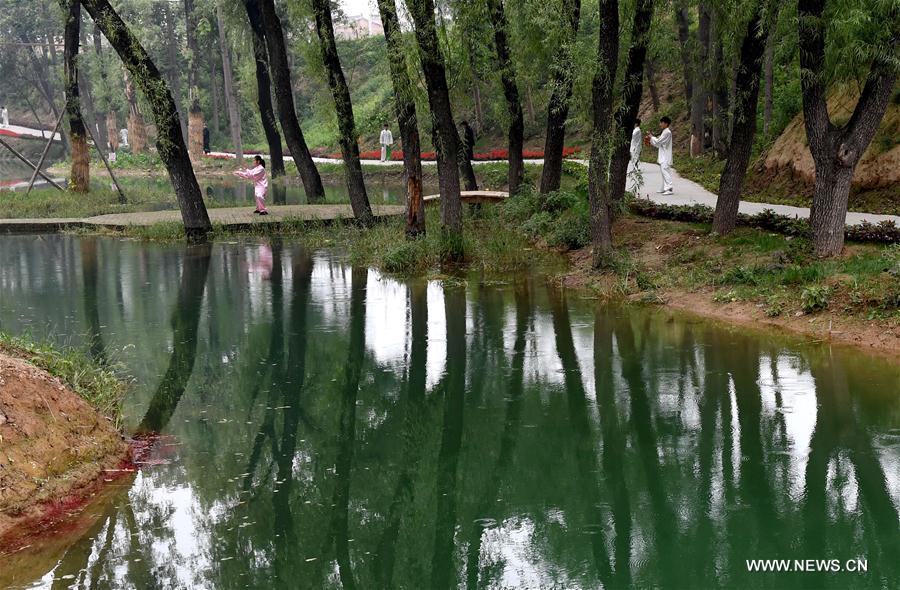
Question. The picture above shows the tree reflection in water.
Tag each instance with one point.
(337, 428)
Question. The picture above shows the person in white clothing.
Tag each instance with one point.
(387, 138)
(4, 117)
(663, 143)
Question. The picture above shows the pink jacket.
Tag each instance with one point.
(258, 176)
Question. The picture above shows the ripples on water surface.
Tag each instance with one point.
(327, 426)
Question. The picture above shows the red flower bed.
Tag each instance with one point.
(495, 154)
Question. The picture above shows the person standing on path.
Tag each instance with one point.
(206, 149)
(637, 141)
(260, 183)
(663, 143)
(386, 140)
(4, 116)
(468, 140)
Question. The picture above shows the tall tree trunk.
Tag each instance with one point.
(97, 107)
(214, 90)
(720, 74)
(195, 112)
(356, 186)
(682, 19)
(602, 134)
(633, 91)
(558, 107)
(768, 98)
(444, 134)
(836, 150)
(264, 94)
(511, 93)
(174, 64)
(137, 130)
(111, 126)
(650, 71)
(81, 160)
(700, 93)
(405, 107)
(234, 117)
(746, 98)
(170, 141)
(284, 97)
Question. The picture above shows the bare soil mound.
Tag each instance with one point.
(53, 444)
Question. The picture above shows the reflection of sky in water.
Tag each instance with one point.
(538, 535)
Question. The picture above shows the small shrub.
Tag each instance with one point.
(537, 225)
(741, 275)
(814, 298)
(571, 231)
(558, 202)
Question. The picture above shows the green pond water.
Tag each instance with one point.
(330, 427)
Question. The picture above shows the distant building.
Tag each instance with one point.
(357, 26)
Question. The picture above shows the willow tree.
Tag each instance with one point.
(284, 98)
(444, 134)
(169, 140)
(602, 136)
(356, 186)
(264, 90)
(561, 82)
(137, 130)
(836, 149)
(405, 108)
(746, 97)
(80, 176)
(516, 131)
(633, 89)
(195, 112)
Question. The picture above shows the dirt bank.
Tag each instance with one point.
(751, 278)
(54, 448)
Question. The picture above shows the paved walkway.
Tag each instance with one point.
(227, 217)
(687, 192)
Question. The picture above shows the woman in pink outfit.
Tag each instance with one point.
(260, 184)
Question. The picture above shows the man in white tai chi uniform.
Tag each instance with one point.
(387, 138)
(4, 117)
(635, 151)
(663, 143)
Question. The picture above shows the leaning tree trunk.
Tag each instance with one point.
(558, 108)
(444, 134)
(836, 150)
(264, 96)
(356, 186)
(746, 97)
(137, 130)
(602, 134)
(81, 159)
(284, 97)
(169, 142)
(195, 113)
(633, 90)
(405, 107)
(511, 93)
(234, 116)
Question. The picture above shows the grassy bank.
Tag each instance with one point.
(97, 385)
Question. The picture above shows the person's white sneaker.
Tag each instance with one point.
(668, 192)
